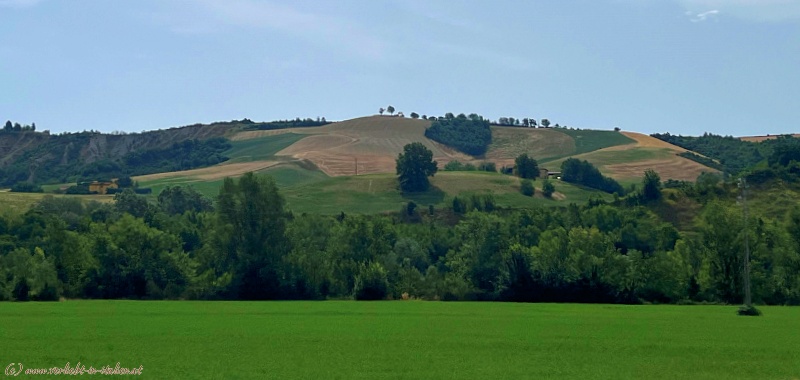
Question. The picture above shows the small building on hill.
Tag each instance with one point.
(544, 173)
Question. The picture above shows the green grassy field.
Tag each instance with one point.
(262, 148)
(377, 193)
(21, 202)
(396, 339)
(587, 140)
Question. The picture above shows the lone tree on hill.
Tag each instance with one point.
(545, 123)
(390, 110)
(380, 110)
(414, 166)
(526, 167)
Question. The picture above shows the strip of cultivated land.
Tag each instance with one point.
(397, 339)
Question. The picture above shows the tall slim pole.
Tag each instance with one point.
(747, 297)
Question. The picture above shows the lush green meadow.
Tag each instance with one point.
(396, 339)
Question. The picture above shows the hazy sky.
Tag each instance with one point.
(683, 66)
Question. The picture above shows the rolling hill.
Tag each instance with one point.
(313, 165)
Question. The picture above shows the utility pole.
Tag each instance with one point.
(356, 165)
(748, 301)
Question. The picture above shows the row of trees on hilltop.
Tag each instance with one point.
(17, 127)
(247, 245)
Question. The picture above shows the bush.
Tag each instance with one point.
(526, 187)
(548, 188)
(487, 167)
(143, 190)
(25, 187)
(371, 283)
(749, 311)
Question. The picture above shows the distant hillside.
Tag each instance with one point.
(45, 158)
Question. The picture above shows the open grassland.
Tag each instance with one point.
(21, 202)
(379, 193)
(396, 339)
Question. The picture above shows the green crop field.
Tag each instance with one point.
(587, 140)
(396, 339)
(261, 148)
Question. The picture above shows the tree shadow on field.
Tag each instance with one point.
(432, 196)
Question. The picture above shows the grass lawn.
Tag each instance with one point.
(396, 339)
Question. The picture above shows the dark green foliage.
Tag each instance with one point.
(371, 283)
(526, 167)
(582, 172)
(526, 187)
(784, 151)
(651, 186)
(732, 153)
(548, 188)
(469, 135)
(750, 311)
(248, 247)
(486, 166)
(58, 160)
(178, 200)
(25, 187)
(414, 166)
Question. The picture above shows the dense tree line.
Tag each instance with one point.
(732, 153)
(471, 135)
(10, 127)
(67, 167)
(248, 246)
(582, 172)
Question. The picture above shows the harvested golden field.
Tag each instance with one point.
(645, 141)
(213, 172)
(369, 143)
(764, 138)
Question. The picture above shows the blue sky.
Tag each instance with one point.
(729, 67)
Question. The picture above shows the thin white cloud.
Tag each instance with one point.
(322, 29)
(18, 3)
(749, 10)
(700, 17)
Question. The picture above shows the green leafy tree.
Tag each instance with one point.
(414, 115)
(414, 166)
(8, 127)
(381, 110)
(651, 186)
(390, 110)
(248, 242)
(548, 188)
(545, 123)
(526, 167)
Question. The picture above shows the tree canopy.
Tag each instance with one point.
(471, 135)
(414, 166)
